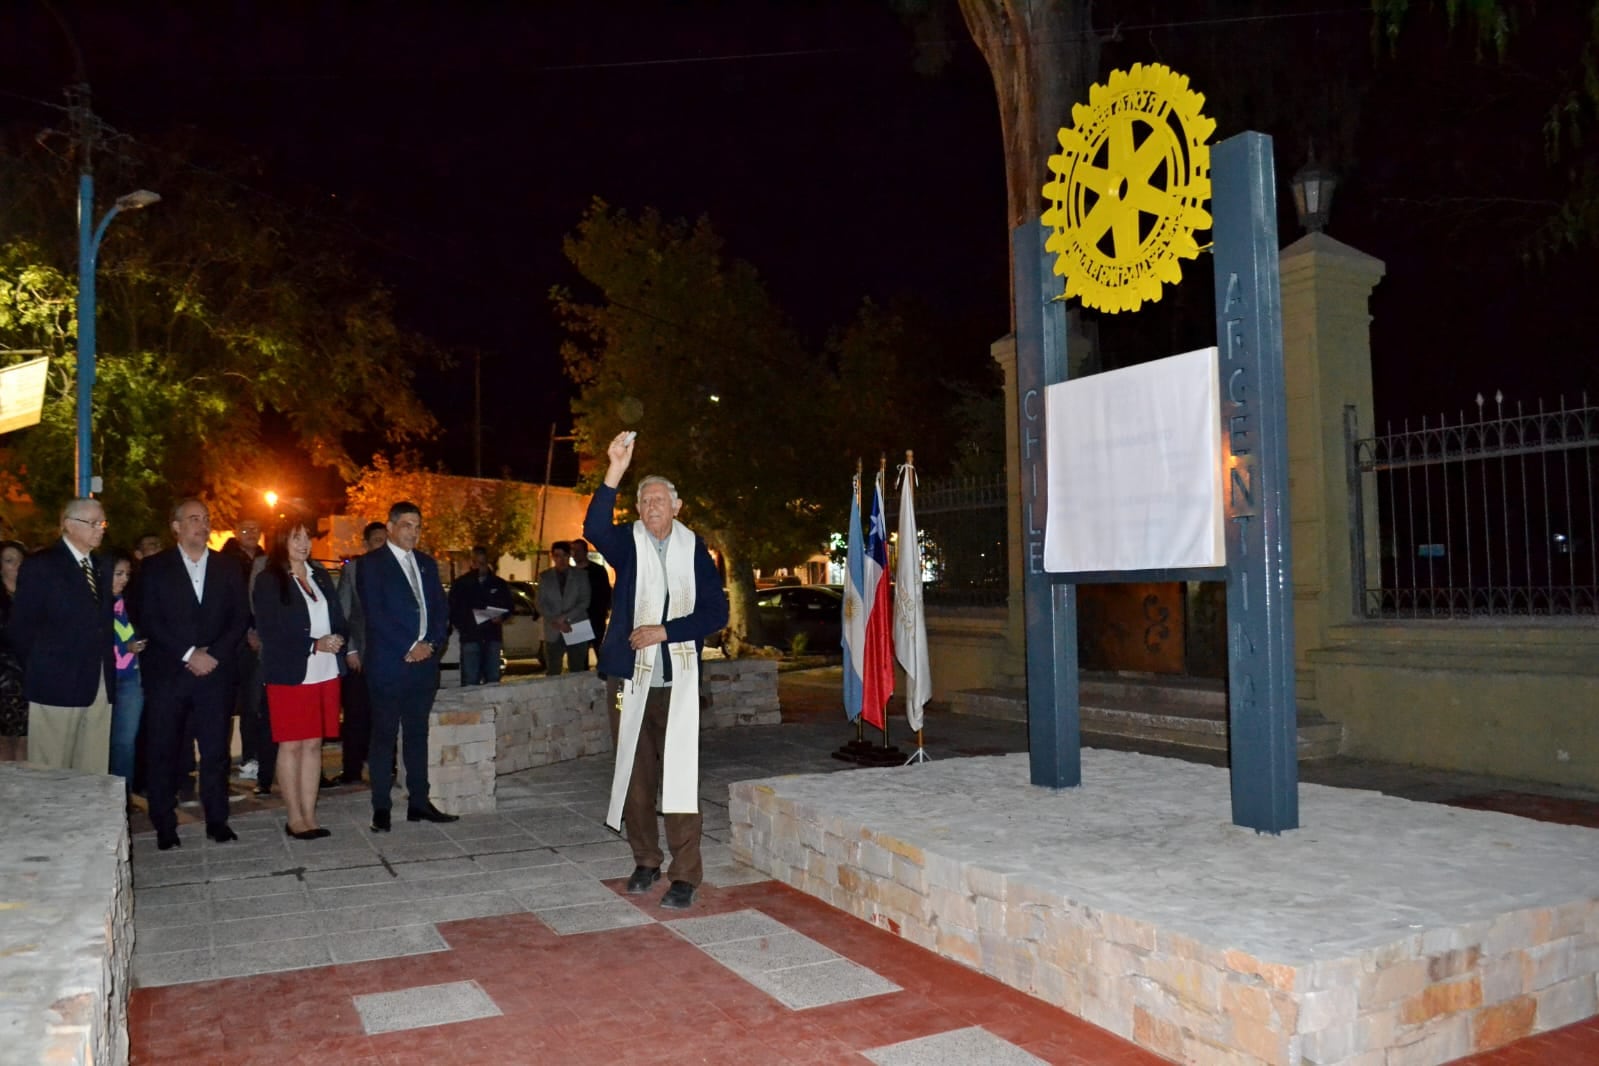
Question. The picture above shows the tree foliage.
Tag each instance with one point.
(224, 318)
(1568, 72)
(687, 348)
(681, 342)
(458, 513)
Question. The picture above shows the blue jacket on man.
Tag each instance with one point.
(615, 542)
(392, 618)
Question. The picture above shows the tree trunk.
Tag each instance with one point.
(1043, 55)
(743, 621)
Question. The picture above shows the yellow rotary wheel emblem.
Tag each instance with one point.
(1131, 186)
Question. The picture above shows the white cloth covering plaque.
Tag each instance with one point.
(1135, 468)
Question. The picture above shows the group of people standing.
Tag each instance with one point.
(96, 650)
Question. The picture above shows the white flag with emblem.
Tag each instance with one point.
(910, 621)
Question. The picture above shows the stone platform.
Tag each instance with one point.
(66, 918)
(1382, 932)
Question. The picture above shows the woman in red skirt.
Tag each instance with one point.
(302, 632)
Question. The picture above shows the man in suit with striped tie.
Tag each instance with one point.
(61, 630)
(406, 619)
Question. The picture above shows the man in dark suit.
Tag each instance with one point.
(194, 615)
(61, 632)
(355, 727)
(406, 618)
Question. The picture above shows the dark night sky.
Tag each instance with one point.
(462, 141)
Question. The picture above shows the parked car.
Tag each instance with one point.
(812, 611)
(522, 634)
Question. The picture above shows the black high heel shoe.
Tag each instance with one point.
(309, 834)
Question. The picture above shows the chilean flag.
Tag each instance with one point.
(877, 665)
(854, 628)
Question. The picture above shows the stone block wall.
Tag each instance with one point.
(66, 933)
(478, 733)
(1425, 998)
(738, 692)
(544, 720)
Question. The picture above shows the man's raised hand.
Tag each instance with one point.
(620, 453)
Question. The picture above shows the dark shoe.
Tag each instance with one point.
(328, 782)
(263, 790)
(643, 877)
(429, 813)
(349, 778)
(303, 834)
(680, 897)
(167, 839)
(380, 821)
(319, 832)
(221, 832)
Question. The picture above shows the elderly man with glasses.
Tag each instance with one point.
(61, 628)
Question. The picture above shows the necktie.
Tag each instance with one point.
(413, 576)
(88, 572)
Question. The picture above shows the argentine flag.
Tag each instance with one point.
(854, 640)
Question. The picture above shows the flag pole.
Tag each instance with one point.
(859, 749)
(920, 754)
(882, 474)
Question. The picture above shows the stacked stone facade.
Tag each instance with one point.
(738, 692)
(1425, 998)
(66, 931)
(478, 733)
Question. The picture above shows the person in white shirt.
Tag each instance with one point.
(302, 630)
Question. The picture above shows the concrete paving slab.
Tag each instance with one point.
(428, 1005)
(385, 943)
(763, 953)
(275, 956)
(821, 984)
(959, 1047)
(151, 970)
(722, 928)
(592, 917)
(459, 908)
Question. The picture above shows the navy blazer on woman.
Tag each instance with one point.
(61, 633)
(616, 543)
(283, 622)
(389, 609)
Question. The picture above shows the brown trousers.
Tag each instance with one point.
(638, 809)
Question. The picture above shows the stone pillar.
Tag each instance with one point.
(1326, 289)
(1013, 670)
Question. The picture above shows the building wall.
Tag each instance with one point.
(1512, 698)
(1517, 701)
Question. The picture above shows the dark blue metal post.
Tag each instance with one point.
(1050, 608)
(1254, 422)
(86, 249)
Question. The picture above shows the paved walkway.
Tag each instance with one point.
(507, 937)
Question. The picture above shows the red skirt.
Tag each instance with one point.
(304, 712)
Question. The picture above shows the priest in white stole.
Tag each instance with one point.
(668, 598)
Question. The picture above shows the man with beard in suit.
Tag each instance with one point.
(194, 615)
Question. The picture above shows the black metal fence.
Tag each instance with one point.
(962, 525)
(1479, 517)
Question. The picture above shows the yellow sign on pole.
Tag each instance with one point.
(1131, 186)
(22, 394)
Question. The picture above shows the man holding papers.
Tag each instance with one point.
(479, 603)
(564, 604)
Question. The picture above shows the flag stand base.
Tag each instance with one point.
(918, 756)
(864, 753)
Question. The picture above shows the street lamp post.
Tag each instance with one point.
(89, 236)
